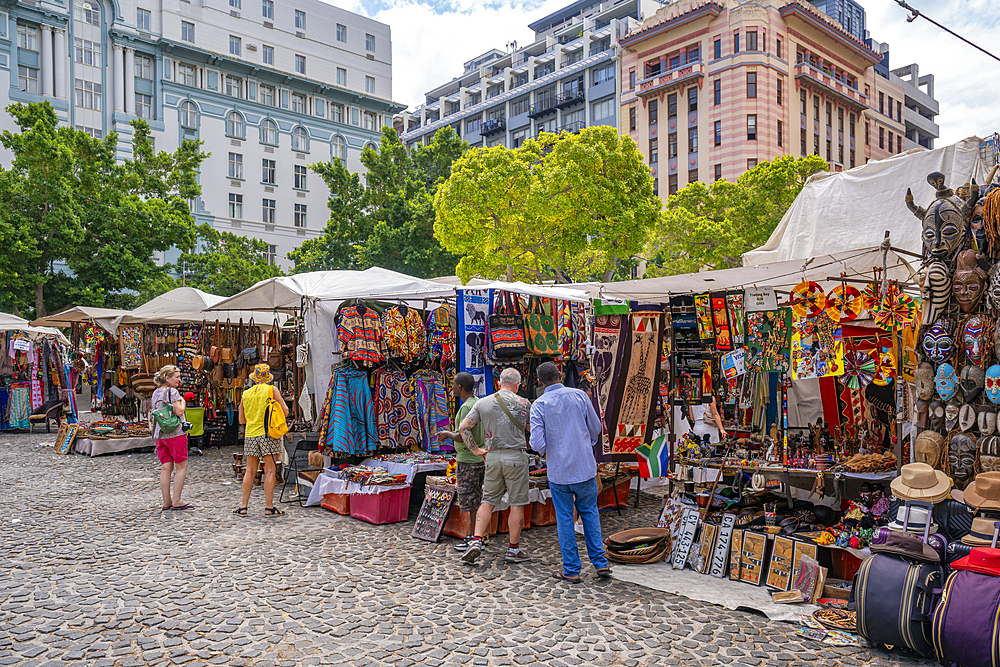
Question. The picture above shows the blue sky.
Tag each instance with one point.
(431, 40)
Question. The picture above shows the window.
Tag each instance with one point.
(300, 19)
(267, 171)
(143, 67)
(268, 55)
(672, 145)
(851, 124)
(881, 137)
(717, 133)
(752, 127)
(692, 140)
(777, 48)
(890, 106)
(803, 141)
(736, 42)
(370, 85)
(267, 95)
(27, 37)
(751, 40)
(88, 12)
(781, 141)
(341, 76)
(236, 165)
(236, 4)
(272, 254)
(603, 109)
(692, 99)
(473, 125)
(694, 53)
(852, 158)
(815, 144)
(268, 9)
(269, 132)
(267, 209)
(840, 153)
(300, 215)
(300, 177)
(890, 142)
(751, 163)
(631, 119)
(899, 143)
(300, 64)
(369, 42)
(187, 31)
(91, 132)
(840, 119)
(235, 206)
(780, 85)
(234, 125)
(339, 145)
(233, 86)
(802, 102)
(899, 111)
(369, 120)
(518, 107)
(87, 52)
(656, 187)
(881, 103)
(816, 108)
(654, 151)
(717, 46)
(342, 33)
(652, 110)
(605, 73)
(672, 184)
(718, 172)
(829, 114)
(144, 106)
(692, 176)
(337, 112)
(189, 114)
(298, 103)
(186, 74)
(300, 139)
(867, 134)
(88, 94)
(751, 84)
(631, 79)
(829, 151)
(671, 106)
(717, 92)
(143, 19)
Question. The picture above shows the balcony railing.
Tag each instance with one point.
(569, 98)
(573, 127)
(806, 72)
(678, 75)
(493, 126)
(546, 106)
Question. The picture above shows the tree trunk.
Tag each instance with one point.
(39, 300)
(510, 273)
(608, 275)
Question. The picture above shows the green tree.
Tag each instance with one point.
(386, 218)
(711, 226)
(84, 225)
(226, 263)
(564, 207)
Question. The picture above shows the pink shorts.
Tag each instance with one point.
(172, 450)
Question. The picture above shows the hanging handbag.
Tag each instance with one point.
(227, 350)
(251, 353)
(198, 359)
(240, 361)
(228, 368)
(275, 356)
(213, 351)
(507, 329)
(540, 330)
(143, 382)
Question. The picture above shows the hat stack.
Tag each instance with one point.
(919, 481)
(638, 545)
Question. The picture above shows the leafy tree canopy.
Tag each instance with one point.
(386, 218)
(83, 225)
(711, 226)
(564, 207)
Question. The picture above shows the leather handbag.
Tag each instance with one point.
(213, 352)
(143, 382)
(507, 329)
(540, 330)
(275, 356)
(227, 350)
(251, 353)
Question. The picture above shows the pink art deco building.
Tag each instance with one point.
(709, 89)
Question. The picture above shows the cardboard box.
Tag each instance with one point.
(830, 591)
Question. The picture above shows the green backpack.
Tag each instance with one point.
(166, 419)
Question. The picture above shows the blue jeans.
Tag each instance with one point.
(584, 496)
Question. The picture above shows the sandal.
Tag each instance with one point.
(272, 511)
(240, 511)
(563, 577)
(604, 572)
(185, 506)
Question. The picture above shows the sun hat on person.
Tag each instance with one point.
(261, 374)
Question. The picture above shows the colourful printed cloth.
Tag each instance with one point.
(432, 408)
(441, 337)
(130, 340)
(404, 335)
(361, 337)
(396, 410)
(348, 415)
(19, 407)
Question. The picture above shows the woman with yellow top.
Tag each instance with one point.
(257, 444)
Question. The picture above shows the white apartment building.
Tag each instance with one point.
(270, 86)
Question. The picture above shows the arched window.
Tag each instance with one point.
(269, 132)
(189, 114)
(300, 139)
(234, 124)
(372, 146)
(339, 149)
(88, 11)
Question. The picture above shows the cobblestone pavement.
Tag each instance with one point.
(94, 573)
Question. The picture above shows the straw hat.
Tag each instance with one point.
(917, 523)
(983, 560)
(981, 534)
(919, 481)
(984, 492)
(910, 546)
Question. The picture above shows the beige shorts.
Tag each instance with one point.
(506, 471)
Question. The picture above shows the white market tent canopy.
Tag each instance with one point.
(838, 211)
(67, 317)
(15, 323)
(180, 306)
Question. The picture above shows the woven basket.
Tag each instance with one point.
(636, 536)
(650, 555)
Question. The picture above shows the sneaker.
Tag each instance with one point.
(464, 544)
(195, 451)
(578, 527)
(516, 556)
(472, 553)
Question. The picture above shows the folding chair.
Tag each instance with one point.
(50, 412)
(303, 443)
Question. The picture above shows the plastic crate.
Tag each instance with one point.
(379, 508)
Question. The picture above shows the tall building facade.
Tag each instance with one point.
(724, 87)
(270, 87)
(563, 81)
(921, 106)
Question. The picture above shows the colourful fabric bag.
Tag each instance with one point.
(507, 329)
(540, 328)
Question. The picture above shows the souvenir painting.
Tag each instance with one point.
(817, 348)
(734, 303)
(720, 320)
(130, 343)
(779, 571)
(605, 363)
(752, 562)
(769, 340)
(735, 554)
(703, 311)
(635, 407)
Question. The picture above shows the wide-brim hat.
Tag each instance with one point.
(919, 481)
(907, 545)
(916, 523)
(984, 491)
(634, 537)
(981, 533)
(983, 560)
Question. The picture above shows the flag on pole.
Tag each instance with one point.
(654, 458)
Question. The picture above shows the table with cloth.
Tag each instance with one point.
(330, 482)
(410, 469)
(96, 447)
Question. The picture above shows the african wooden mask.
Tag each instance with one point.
(943, 227)
(961, 457)
(987, 419)
(924, 378)
(989, 454)
(972, 380)
(927, 448)
(938, 342)
(935, 291)
(969, 283)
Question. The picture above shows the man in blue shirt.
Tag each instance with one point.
(565, 427)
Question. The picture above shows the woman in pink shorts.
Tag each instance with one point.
(172, 448)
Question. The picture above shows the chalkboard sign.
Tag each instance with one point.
(433, 513)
